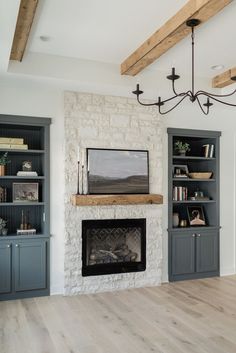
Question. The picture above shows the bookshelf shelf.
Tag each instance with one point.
(197, 158)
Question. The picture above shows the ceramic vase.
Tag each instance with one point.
(175, 220)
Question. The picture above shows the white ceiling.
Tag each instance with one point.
(100, 30)
(108, 31)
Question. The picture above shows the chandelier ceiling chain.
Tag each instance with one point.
(194, 97)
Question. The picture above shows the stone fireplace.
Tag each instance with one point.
(97, 121)
(113, 246)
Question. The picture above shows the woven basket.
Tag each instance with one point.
(200, 175)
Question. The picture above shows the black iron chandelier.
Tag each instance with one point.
(193, 96)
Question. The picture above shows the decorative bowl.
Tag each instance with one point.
(200, 175)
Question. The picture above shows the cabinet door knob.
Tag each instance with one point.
(194, 235)
(17, 245)
(8, 246)
(198, 235)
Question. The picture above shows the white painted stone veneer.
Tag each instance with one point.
(111, 122)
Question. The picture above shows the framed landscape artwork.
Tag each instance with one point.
(117, 171)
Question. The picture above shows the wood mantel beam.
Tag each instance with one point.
(224, 79)
(118, 199)
(172, 32)
(24, 22)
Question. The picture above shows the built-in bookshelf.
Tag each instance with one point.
(24, 206)
(193, 204)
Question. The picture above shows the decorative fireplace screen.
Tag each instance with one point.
(113, 246)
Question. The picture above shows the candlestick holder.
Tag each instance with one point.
(78, 181)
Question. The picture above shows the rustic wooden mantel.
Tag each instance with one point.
(104, 200)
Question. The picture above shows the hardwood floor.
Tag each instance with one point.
(183, 317)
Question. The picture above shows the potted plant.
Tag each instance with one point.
(182, 147)
(3, 230)
(3, 161)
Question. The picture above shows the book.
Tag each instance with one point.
(25, 231)
(13, 146)
(212, 147)
(24, 173)
(12, 140)
(180, 193)
(206, 150)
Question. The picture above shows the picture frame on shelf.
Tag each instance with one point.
(180, 171)
(25, 192)
(196, 216)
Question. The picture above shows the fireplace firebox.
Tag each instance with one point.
(113, 246)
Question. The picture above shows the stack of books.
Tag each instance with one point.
(12, 143)
(180, 193)
(26, 173)
(208, 150)
(25, 231)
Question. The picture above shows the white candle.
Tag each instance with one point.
(78, 154)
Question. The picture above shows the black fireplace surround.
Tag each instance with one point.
(113, 246)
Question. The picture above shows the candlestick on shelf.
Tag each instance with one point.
(78, 180)
(82, 191)
(88, 181)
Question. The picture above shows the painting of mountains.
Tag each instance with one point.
(117, 171)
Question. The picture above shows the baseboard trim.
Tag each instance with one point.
(227, 271)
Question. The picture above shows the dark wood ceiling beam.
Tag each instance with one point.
(24, 22)
(172, 32)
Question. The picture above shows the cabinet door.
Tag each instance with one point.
(5, 267)
(183, 253)
(30, 264)
(207, 254)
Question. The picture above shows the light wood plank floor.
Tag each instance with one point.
(185, 317)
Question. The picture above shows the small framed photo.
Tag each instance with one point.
(27, 166)
(196, 216)
(180, 171)
(25, 192)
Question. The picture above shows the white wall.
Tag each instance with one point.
(25, 95)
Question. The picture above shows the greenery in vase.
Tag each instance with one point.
(182, 146)
(4, 159)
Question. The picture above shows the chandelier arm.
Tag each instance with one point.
(145, 104)
(219, 101)
(179, 94)
(173, 87)
(163, 113)
(215, 95)
(199, 103)
(175, 96)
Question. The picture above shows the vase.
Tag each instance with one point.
(175, 220)
(4, 231)
(2, 170)
(182, 153)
